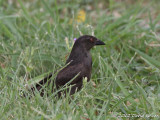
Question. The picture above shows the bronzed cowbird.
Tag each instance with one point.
(78, 66)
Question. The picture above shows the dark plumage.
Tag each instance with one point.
(79, 63)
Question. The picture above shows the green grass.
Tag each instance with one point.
(35, 37)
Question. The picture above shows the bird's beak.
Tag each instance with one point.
(99, 42)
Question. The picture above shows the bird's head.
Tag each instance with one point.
(88, 41)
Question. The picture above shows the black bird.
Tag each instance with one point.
(78, 65)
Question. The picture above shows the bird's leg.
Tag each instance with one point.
(75, 88)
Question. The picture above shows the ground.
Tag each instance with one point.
(36, 37)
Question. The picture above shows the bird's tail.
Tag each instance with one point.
(38, 86)
(43, 82)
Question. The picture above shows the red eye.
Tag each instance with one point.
(91, 39)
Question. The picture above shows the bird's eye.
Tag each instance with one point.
(91, 39)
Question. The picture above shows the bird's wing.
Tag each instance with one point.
(68, 73)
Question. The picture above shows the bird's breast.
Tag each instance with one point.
(88, 66)
(88, 60)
